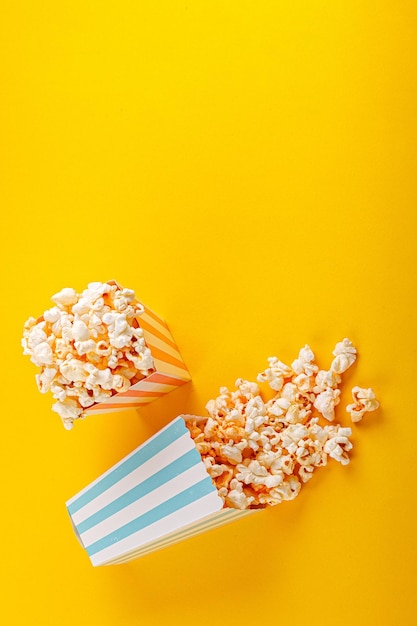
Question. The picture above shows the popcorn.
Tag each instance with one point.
(65, 297)
(345, 356)
(260, 453)
(42, 354)
(73, 370)
(236, 498)
(364, 400)
(276, 373)
(45, 379)
(338, 445)
(326, 402)
(88, 347)
(326, 379)
(231, 453)
(306, 472)
(68, 410)
(52, 315)
(256, 474)
(80, 331)
(304, 364)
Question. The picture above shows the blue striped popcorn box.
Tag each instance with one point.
(158, 495)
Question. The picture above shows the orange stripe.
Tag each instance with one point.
(164, 356)
(164, 379)
(132, 393)
(155, 317)
(152, 330)
(116, 407)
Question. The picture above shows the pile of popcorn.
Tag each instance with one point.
(260, 452)
(88, 346)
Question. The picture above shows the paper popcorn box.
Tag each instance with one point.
(158, 495)
(170, 370)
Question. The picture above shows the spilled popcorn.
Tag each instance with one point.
(363, 401)
(88, 347)
(260, 452)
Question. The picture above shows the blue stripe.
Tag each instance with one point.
(160, 441)
(192, 494)
(180, 465)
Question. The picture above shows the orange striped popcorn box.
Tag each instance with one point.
(156, 496)
(102, 350)
(170, 371)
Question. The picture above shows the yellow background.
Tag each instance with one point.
(249, 169)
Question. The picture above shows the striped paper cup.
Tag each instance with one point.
(158, 495)
(169, 372)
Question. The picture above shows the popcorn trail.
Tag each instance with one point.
(259, 452)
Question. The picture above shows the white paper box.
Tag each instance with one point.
(158, 495)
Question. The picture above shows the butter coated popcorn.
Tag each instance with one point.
(88, 347)
(260, 453)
